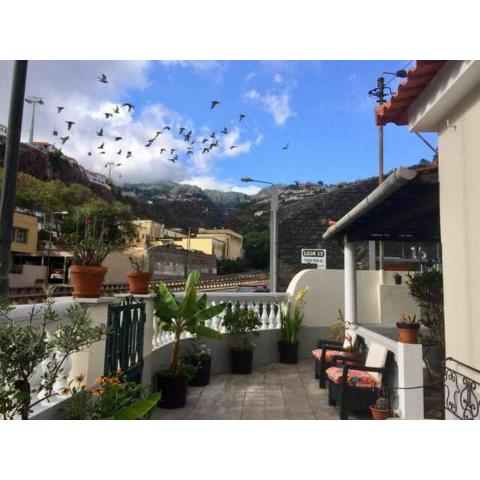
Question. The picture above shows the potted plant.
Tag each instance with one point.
(201, 360)
(290, 323)
(177, 317)
(139, 279)
(86, 271)
(239, 323)
(381, 409)
(397, 278)
(354, 351)
(24, 347)
(408, 329)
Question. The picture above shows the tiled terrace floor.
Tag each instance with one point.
(271, 392)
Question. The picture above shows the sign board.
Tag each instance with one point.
(317, 256)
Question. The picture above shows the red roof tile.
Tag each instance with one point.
(396, 110)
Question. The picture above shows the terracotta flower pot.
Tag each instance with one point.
(408, 332)
(87, 281)
(138, 282)
(379, 413)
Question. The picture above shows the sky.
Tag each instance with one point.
(320, 109)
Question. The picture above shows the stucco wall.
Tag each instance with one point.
(459, 147)
(376, 303)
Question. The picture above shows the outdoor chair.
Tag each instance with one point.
(356, 387)
(327, 349)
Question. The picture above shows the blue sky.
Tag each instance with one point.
(320, 108)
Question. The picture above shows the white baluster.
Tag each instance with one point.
(264, 317)
(271, 316)
(278, 318)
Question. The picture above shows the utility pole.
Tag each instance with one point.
(12, 149)
(33, 101)
(187, 254)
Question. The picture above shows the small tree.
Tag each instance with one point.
(23, 347)
(189, 315)
(239, 322)
(427, 289)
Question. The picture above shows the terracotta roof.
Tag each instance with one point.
(396, 110)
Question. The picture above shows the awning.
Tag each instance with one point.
(405, 207)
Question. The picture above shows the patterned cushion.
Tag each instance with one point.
(329, 354)
(356, 378)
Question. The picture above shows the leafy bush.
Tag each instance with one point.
(23, 347)
(240, 323)
(227, 266)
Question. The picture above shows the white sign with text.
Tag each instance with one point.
(317, 256)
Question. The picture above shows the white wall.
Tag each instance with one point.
(376, 303)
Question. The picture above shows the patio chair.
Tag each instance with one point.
(355, 387)
(327, 349)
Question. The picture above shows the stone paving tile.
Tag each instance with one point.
(271, 392)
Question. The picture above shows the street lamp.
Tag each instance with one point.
(33, 101)
(52, 216)
(273, 230)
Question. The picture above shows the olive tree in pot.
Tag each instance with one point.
(240, 323)
(291, 323)
(187, 316)
(427, 290)
(139, 279)
(33, 359)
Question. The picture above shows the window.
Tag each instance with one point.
(20, 235)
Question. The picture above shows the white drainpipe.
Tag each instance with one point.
(350, 272)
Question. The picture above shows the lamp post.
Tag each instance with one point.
(12, 149)
(52, 216)
(273, 230)
(33, 101)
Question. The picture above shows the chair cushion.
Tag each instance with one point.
(329, 354)
(355, 378)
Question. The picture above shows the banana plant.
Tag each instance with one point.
(189, 315)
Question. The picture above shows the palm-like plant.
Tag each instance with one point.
(189, 315)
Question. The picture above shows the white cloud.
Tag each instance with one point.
(278, 78)
(250, 76)
(208, 182)
(74, 85)
(214, 69)
(278, 105)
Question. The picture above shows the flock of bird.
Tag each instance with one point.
(205, 145)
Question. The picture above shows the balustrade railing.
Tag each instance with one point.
(267, 306)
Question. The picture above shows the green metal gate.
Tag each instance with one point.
(124, 343)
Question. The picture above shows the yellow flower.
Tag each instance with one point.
(300, 296)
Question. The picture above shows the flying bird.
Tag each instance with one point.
(100, 133)
(205, 150)
(174, 159)
(214, 104)
(69, 124)
(119, 164)
(108, 115)
(205, 140)
(242, 116)
(103, 153)
(166, 128)
(149, 144)
(163, 150)
(225, 130)
(102, 78)
(232, 147)
(129, 106)
(116, 109)
(59, 109)
(129, 154)
(89, 154)
(64, 139)
(212, 135)
(116, 139)
(119, 152)
(171, 151)
(187, 136)
(189, 152)
(100, 147)
(286, 146)
(181, 130)
(55, 133)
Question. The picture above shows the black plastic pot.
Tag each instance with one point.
(398, 279)
(241, 361)
(288, 352)
(173, 388)
(202, 377)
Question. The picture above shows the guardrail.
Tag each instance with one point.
(219, 283)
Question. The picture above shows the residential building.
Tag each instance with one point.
(444, 97)
(209, 246)
(233, 241)
(149, 231)
(45, 146)
(98, 179)
(25, 234)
